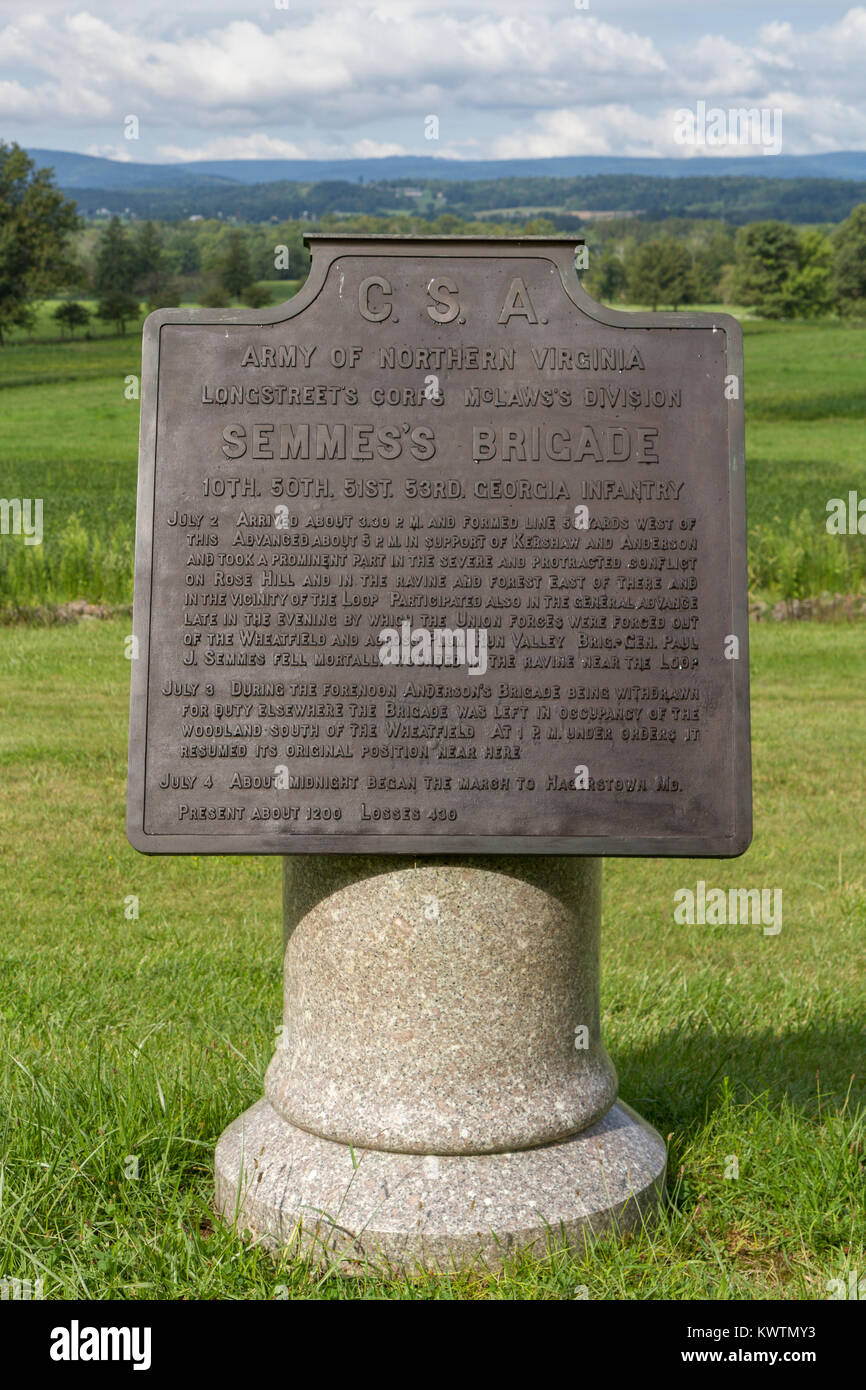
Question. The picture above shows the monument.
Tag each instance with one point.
(440, 594)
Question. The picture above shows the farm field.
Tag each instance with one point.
(70, 436)
(129, 1043)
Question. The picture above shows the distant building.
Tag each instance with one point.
(599, 215)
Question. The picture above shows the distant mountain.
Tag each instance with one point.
(91, 171)
(798, 189)
(76, 171)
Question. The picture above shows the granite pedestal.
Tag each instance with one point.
(440, 1094)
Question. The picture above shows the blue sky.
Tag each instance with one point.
(283, 78)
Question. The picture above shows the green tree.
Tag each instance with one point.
(791, 273)
(117, 306)
(808, 291)
(710, 262)
(849, 263)
(235, 271)
(36, 222)
(114, 276)
(147, 243)
(150, 264)
(660, 272)
(182, 249)
(153, 279)
(606, 278)
(214, 297)
(767, 254)
(536, 226)
(643, 275)
(168, 298)
(678, 277)
(115, 267)
(70, 314)
(256, 296)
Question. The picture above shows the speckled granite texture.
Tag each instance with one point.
(405, 1211)
(441, 1017)
(434, 1010)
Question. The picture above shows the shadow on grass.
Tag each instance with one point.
(676, 1082)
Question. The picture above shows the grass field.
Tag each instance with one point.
(133, 1042)
(70, 436)
(141, 1039)
(46, 329)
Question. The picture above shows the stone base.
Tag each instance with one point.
(366, 1207)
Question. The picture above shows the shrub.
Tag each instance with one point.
(255, 296)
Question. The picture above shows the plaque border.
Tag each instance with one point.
(327, 247)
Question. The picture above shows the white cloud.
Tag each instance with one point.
(261, 146)
(376, 149)
(341, 63)
(613, 130)
(115, 152)
(17, 102)
(345, 78)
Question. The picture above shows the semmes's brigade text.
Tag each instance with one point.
(453, 576)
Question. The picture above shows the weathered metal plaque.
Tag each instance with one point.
(441, 556)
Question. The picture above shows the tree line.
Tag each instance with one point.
(774, 269)
(46, 249)
(737, 199)
(770, 267)
(149, 265)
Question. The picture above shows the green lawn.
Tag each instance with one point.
(141, 1039)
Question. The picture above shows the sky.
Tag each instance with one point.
(206, 79)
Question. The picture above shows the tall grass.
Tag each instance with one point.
(797, 558)
(69, 436)
(792, 559)
(76, 564)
